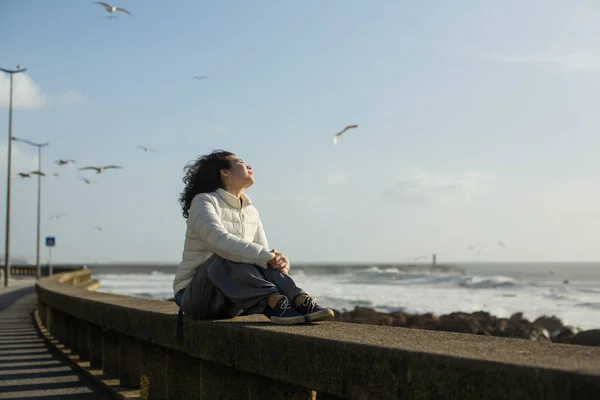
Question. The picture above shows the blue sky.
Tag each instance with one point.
(477, 123)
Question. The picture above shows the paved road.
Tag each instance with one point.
(29, 369)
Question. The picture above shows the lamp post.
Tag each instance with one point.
(11, 72)
(39, 200)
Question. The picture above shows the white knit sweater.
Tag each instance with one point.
(221, 223)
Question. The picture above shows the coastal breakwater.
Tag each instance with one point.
(133, 340)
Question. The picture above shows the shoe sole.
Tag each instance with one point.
(288, 320)
(323, 315)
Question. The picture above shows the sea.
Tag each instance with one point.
(570, 291)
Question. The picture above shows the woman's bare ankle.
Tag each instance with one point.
(273, 299)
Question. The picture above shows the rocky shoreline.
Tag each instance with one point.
(548, 329)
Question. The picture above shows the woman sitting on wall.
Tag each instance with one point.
(227, 267)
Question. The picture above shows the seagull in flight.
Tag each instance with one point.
(23, 175)
(100, 170)
(501, 244)
(40, 173)
(476, 250)
(146, 149)
(199, 77)
(112, 9)
(60, 161)
(340, 133)
(57, 216)
(88, 181)
(98, 228)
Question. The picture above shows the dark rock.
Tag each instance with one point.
(565, 335)
(551, 324)
(478, 323)
(399, 318)
(365, 315)
(587, 338)
(420, 321)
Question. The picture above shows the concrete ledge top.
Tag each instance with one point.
(383, 354)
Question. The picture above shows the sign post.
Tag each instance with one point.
(50, 242)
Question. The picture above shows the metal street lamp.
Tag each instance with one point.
(11, 72)
(39, 200)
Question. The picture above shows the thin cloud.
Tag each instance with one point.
(21, 161)
(28, 94)
(425, 187)
(571, 61)
(70, 97)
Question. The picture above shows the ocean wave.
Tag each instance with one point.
(375, 275)
(478, 282)
(593, 306)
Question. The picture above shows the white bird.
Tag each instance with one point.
(100, 170)
(88, 181)
(199, 77)
(477, 251)
(60, 161)
(340, 133)
(146, 149)
(112, 9)
(57, 216)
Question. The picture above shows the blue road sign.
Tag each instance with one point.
(50, 241)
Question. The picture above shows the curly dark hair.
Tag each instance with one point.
(203, 176)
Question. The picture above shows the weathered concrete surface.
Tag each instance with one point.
(28, 368)
(350, 360)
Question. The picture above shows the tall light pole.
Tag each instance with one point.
(39, 200)
(11, 72)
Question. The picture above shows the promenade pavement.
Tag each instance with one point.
(29, 368)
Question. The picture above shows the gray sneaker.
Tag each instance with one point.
(313, 312)
(284, 314)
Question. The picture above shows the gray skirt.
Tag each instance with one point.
(224, 289)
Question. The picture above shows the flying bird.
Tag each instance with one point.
(477, 251)
(98, 228)
(340, 133)
(501, 244)
(100, 170)
(112, 9)
(199, 77)
(60, 161)
(57, 216)
(24, 175)
(146, 149)
(55, 174)
(88, 181)
(40, 173)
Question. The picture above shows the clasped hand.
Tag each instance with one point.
(279, 262)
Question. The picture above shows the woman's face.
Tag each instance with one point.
(239, 173)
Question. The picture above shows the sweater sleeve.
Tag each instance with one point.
(207, 224)
(260, 237)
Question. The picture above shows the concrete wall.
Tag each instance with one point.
(249, 358)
